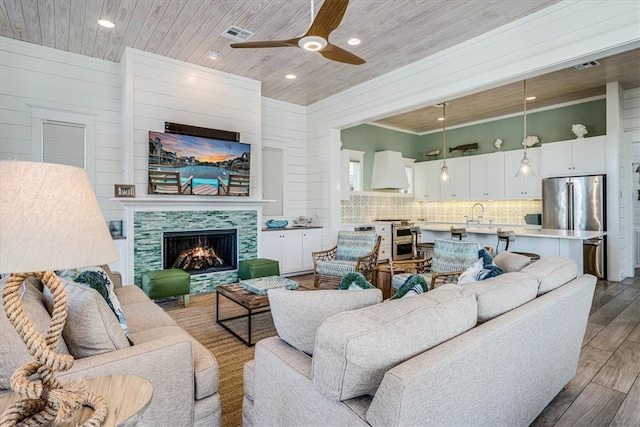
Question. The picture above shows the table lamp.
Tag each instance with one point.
(50, 219)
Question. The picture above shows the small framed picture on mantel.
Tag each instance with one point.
(125, 190)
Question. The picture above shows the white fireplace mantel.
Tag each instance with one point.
(190, 203)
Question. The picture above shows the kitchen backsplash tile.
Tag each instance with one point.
(366, 208)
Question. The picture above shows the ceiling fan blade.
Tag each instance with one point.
(336, 53)
(328, 18)
(267, 43)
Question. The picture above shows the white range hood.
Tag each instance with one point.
(388, 171)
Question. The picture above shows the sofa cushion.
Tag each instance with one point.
(146, 315)
(502, 293)
(130, 295)
(205, 366)
(552, 272)
(91, 326)
(13, 351)
(355, 348)
(510, 262)
(288, 307)
(96, 278)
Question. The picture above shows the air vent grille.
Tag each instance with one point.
(236, 34)
(586, 65)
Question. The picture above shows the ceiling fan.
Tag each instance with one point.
(317, 36)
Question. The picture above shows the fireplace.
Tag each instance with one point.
(200, 252)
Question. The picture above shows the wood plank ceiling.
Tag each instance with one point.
(394, 33)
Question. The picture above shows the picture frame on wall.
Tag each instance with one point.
(125, 190)
(115, 228)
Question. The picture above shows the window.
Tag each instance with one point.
(273, 181)
(63, 143)
(355, 175)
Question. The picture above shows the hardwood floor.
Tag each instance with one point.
(606, 388)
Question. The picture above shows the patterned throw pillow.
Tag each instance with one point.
(354, 280)
(415, 285)
(96, 278)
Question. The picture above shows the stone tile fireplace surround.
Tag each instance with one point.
(149, 218)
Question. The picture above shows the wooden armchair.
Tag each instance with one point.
(450, 259)
(166, 182)
(236, 185)
(354, 251)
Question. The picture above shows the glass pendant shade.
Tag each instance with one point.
(444, 172)
(525, 167)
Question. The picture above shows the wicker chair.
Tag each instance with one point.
(354, 251)
(450, 259)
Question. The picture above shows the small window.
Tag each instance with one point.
(355, 175)
(63, 143)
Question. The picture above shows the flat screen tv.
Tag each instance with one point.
(184, 164)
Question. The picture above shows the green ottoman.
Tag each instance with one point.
(167, 283)
(258, 267)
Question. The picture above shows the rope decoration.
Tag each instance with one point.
(45, 398)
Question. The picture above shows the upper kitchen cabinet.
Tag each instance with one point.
(583, 156)
(486, 176)
(426, 187)
(522, 187)
(457, 187)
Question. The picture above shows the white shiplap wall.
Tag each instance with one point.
(159, 89)
(33, 76)
(284, 127)
(553, 38)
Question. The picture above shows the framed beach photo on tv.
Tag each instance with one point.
(193, 165)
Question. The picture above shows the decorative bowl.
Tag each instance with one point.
(277, 223)
(302, 221)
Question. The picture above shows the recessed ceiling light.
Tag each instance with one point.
(354, 41)
(213, 54)
(106, 23)
(530, 98)
(440, 119)
(291, 76)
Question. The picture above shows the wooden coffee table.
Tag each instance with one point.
(253, 303)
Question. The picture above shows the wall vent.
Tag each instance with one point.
(586, 65)
(236, 34)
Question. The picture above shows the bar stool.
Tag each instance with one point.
(458, 233)
(506, 236)
(425, 250)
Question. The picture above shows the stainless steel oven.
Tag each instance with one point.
(404, 239)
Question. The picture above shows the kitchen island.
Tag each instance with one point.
(542, 241)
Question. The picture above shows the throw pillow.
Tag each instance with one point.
(91, 328)
(510, 262)
(414, 285)
(354, 281)
(96, 278)
(289, 307)
(469, 275)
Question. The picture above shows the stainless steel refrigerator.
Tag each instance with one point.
(578, 203)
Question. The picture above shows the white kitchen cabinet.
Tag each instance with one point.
(311, 242)
(583, 156)
(486, 176)
(384, 230)
(291, 247)
(426, 187)
(457, 187)
(522, 187)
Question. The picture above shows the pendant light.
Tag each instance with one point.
(525, 163)
(444, 170)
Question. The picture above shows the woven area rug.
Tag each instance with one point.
(199, 320)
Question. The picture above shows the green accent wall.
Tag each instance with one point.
(549, 126)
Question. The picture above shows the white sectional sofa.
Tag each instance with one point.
(491, 353)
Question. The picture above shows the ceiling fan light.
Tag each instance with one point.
(312, 43)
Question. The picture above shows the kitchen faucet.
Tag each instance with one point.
(473, 218)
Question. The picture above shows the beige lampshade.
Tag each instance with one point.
(50, 219)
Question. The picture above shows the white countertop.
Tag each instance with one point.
(522, 231)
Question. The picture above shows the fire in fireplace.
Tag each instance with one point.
(199, 252)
